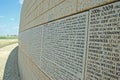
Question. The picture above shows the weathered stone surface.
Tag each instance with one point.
(103, 57)
(88, 4)
(64, 45)
(28, 69)
(54, 9)
(83, 46)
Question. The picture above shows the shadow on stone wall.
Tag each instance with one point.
(11, 71)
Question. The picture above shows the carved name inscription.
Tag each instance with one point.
(64, 44)
(85, 46)
(103, 59)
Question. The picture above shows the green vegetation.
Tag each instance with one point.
(7, 40)
(9, 37)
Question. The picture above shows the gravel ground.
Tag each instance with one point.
(9, 63)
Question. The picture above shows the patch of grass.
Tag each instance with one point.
(8, 37)
(7, 41)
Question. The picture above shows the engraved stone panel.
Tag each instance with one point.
(103, 54)
(36, 47)
(64, 45)
(31, 43)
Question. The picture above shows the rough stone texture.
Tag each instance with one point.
(55, 45)
(46, 10)
(43, 45)
(29, 69)
(89, 4)
(103, 60)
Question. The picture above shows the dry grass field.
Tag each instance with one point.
(4, 41)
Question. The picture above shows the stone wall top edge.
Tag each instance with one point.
(23, 28)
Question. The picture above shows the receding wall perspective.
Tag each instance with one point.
(70, 40)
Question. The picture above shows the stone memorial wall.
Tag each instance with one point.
(103, 51)
(81, 46)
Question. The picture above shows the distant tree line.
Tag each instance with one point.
(9, 37)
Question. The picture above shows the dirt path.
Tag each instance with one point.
(9, 63)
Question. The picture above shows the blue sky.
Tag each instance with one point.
(10, 16)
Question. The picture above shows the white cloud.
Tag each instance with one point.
(6, 29)
(21, 1)
(12, 19)
(1, 16)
